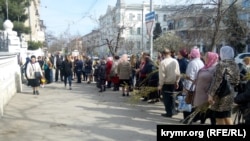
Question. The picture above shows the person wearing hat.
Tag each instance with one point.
(193, 67)
(33, 67)
(182, 58)
(114, 75)
(222, 106)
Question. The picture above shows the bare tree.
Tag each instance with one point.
(113, 43)
(206, 22)
(63, 42)
(129, 46)
(111, 33)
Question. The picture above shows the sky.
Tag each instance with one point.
(78, 17)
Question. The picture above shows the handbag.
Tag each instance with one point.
(38, 75)
(190, 95)
(43, 80)
(224, 88)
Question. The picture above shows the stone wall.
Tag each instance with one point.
(10, 78)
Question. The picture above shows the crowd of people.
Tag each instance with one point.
(172, 74)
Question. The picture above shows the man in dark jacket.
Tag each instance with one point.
(243, 100)
(145, 71)
(58, 65)
(102, 75)
(78, 68)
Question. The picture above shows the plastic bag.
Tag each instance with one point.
(183, 106)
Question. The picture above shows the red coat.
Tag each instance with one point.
(115, 79)
(108, 69)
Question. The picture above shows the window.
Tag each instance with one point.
(131, 31)
(164, 17)
(170, 26)
(138, 30)
(156, 17)
(138, 44)
(139, 17)
(180, 24)
(131, 16)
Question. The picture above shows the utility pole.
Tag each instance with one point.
(142, 25)
(7, 9)
(151, 37)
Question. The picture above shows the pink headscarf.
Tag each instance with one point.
(195, 53)
(211, 59)
(109, 58)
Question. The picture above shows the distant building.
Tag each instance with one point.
(128, 21)
(35, 23)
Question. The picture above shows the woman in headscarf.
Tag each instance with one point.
(203, 81)
(222, 106)
(124, 72)
(194, 65)
(115, 78)
(109, 63)
(182, 58)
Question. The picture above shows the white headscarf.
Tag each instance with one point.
(226, 52)
(124, 58)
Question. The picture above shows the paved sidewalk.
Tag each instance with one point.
(82, 114)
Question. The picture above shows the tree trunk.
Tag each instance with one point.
(217, 26)
(117, 41)
(109, 43)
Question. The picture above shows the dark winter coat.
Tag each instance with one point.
(59, 60)
(183, 64)
(79, 66)
(88, 66)
(146, 71)
(67, 68)
(102, 71)
(243, 99)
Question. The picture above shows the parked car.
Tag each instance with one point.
(239, 58)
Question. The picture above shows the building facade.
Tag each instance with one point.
(36, 25)
(124, 25)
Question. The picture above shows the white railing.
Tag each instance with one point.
(10, 78)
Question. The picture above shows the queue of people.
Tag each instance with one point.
(203, 75)
(172, 75)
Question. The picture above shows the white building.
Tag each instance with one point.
(127, 21)
(36, 25)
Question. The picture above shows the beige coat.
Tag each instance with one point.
(124, 70)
